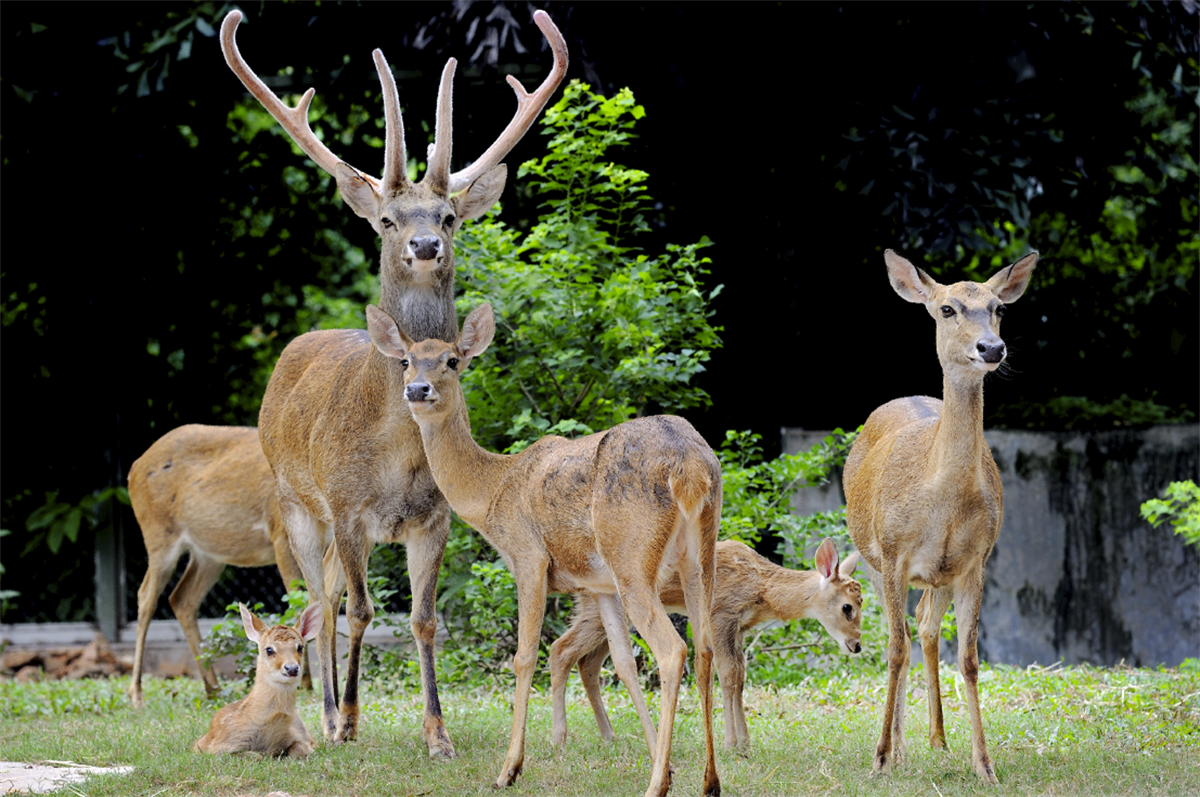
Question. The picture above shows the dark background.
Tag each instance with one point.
(783, 132)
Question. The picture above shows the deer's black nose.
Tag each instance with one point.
(991, 351)
(291, 670)
(417, 391)
(426, 247)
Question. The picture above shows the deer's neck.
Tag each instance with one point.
(468, 475)
(958, 444)
(790, 593)
(423, 310)
(271, 698)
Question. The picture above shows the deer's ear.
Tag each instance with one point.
(1009, 283)
(254, 626)
(310, 622)
(478, 330)
(386, 335)
(826, 561)
(480, 195)
(913, 284)
(358, 193)
(848, 565)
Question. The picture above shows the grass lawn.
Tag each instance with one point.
(1061, 731)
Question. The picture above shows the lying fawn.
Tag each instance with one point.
(923, 496)
(266, 721)
(748, 590)
(608, 516)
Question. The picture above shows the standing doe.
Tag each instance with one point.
(347, 457)
(923, 496)
(608, 516)
(207, 490)
(266, 721)
(748, 590)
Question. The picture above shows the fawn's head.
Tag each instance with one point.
(967, 313)
(281, 648)
(432, 368)
(838, 602)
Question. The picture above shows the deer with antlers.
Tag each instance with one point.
(608, 516)
(748, 590)
(923, 496)
(347, 457)
(207, 490)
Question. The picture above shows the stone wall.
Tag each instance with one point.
(1077, 575)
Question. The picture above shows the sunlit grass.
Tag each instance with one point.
(1059, 730)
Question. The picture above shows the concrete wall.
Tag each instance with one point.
(1077, 575)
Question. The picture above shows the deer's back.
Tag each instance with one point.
(196, 483)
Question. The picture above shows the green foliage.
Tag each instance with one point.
(56, 521)
(591, 331)
(758, 494)
(1180, 506)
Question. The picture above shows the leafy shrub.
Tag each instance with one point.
(1180, 506)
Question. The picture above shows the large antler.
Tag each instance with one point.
(528, 108)
(295, 120)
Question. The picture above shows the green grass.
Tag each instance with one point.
(1061, 731)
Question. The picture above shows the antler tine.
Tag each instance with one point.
(395, 155)
(528, 108)
(438, 173)
(294, 120)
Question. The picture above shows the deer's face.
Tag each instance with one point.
(417, 227)
(431, 373)
(968, 326)
(280, 651)
(838, 607)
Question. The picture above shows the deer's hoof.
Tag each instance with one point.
(985, 771)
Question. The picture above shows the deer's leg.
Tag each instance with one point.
(697, 577)
(929, 628)
(891, 586)
(289, 571)
(584, 642)
(425, 550)
(306, 536)
(730, 658)
(353, 550)
(157, 573)
(616, 627)
(198, 578)
(530, 575)
(967, 597)
(589, 673)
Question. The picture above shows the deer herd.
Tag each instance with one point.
(364, 438)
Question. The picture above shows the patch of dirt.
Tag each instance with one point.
(47, 776)
(95, 660)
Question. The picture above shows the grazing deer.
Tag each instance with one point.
(923, 495)
(207, 490)
(748, 590)
(266, 721)
(608, 516)
(346, 455)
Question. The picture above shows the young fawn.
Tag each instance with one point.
(609, 516)
(748, 590)
(266, 721)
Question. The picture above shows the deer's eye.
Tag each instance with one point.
(453, 363)
(299, 648)
(270, 651)
(947, 311)
(1000, 311)
(391, 225)
(848, 610)
(404, 363)
(449, 222)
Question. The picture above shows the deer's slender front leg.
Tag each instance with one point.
(530, 576)
(425, 551)
(891, 586)
(929, 627)
(353, 550)
(967, 598)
